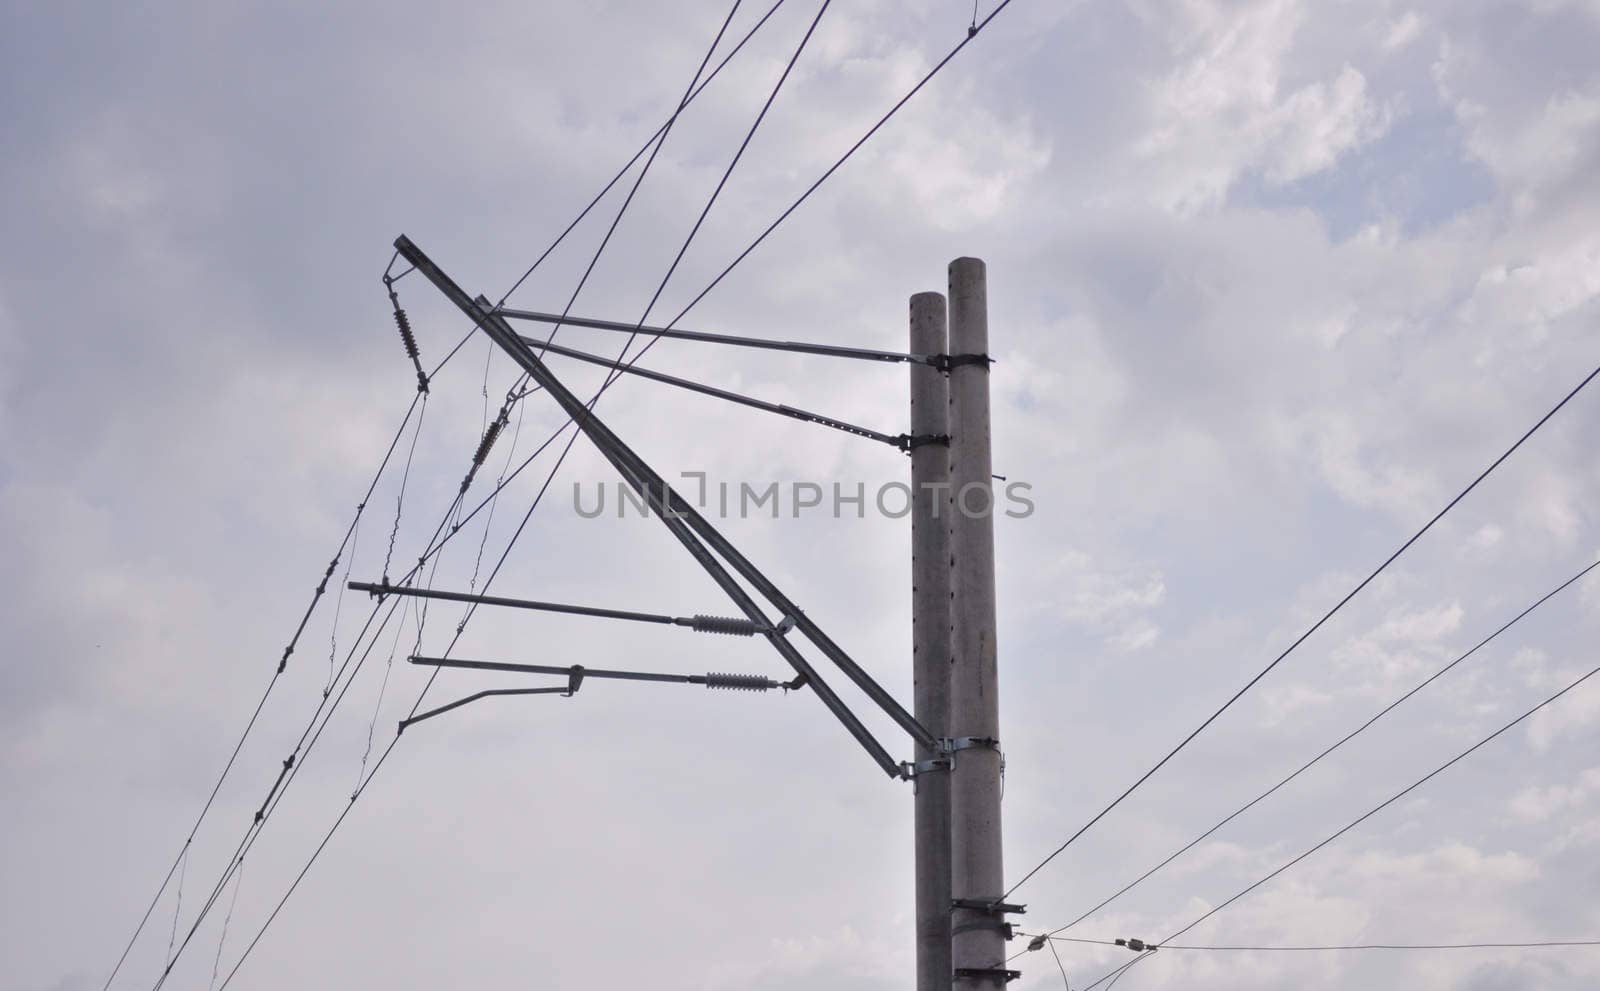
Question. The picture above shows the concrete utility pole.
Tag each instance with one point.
(977, 876)
(930, 636)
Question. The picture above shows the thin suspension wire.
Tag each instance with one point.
(405, 477)
(1061, 966)
(304, 748)
(216, 963)
(488, 521)
(636, 155)
(394, 740)
(1116, 973)
(177, 906)
(1513, 621)
(472, 608)
(571, 226)
(1537, 945)
(383, 757)
(383, 688)
(459, 497)
(839, 163)
(1319, 947)
(1141, 958)
(272, 682)
(291, 769)
(692, 303)
(338, 604)
(721, 183)
(1408, 789)
(1307, 634)
(1335, 947)
(589, 406)
(583, 280)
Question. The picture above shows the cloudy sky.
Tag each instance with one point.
(1270, 282)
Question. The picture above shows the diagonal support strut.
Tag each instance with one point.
(690, 528)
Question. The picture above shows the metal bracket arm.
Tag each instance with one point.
(458, 703)
(689, 527)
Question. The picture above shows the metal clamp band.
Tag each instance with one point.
(992, 905)
(950, 745)
(910, 442)
(986, 973)
(945, 362)
(1005, 928)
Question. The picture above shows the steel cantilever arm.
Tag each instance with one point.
(458, 703)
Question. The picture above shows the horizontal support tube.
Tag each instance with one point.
(829, 350)
(451, 662)
(711, 390)
(714, 681)
(700, 623)
(689, 528)
(499, 600)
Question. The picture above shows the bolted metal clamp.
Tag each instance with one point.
(945, 362)
(950, 745)
(910, 770)
(1005, 929)
(993, 905)
(910, 442)
(946, 761)
(986, 973)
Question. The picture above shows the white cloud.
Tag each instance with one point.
(1137, 636)
(1115, 602)
(1539, 804)
(1226, 109)
(1574, 713)
(1214, 395)
(1403, 31)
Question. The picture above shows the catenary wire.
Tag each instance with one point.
(472, 608)
(222, 938)
(651, 142)
(826, 175)
(642, 149)
(309, 738)
(303, 748)
(405, 478)
(1543, 944)
(1065, 983)
(1322, 947)
(661, 141)
(1307, 634)
(572, 225)
(1141, 958)
(291, 769)
(488, 522)
(177, 905)
(717, 192)
(1340, 743)
(394, 740)
(1115, 974)
(383, 757)
(1408, 789)
(338, 608)
(1535, 945)
(1374, 811)
(272, 682)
